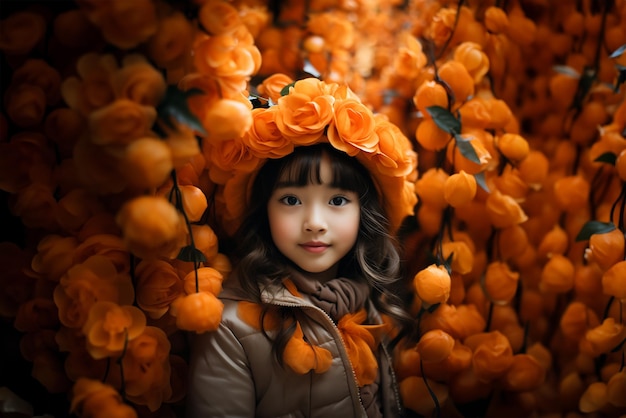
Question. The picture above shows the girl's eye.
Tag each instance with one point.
(339, 201)
(290, 200)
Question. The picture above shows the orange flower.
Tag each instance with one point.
(205, 240)
(432, 284)
(25, 104)
(430, 136)
(272, 86)
(512, 242)
(430, 93)
(534, 169)
(151, 227)
(264, 138)
(555, 241)
(107, 245)
(36, 314)
(121, 122)
(458, 78)
(227, 119)
(209, 280)
(430, 188)
(394, 156)
(557, 275)
(147, 163)
(615, 389)
(614, 281)
(109, 327)
(36, 206)
(503, 210)
(480, 141)
(218, 17)
(458, 321)
(606, 249)
(335, 27)
(92, 398)
(513, 146)
(158, 285)
(123, 24)
(21, 32)
(460, 359)
(500, 282)
(302, 357)
(462, 256)
(169, 46)
(183, 146)
(471, 55)
(352, 129)
(410, 59)
(418, 397)
(496, 20)
(198, 312)
(525, 374)
(594, 398)
(138, 81)
(605, 337)
(571, 192)
(92, 88)
(147, 369)
(227, 157)
(39, 73)
(493, 355)
(459, 188)
(54, 256)
(435, 346)
(576, 320)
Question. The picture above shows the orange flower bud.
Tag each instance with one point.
(205, 240)
(218, 17)
(171, 42)
(158, 285)
(534, 169)
(555, 241)
(510, 182)
(147, 163)
(577, 319)
(615, 389)
(458, 78)
(620, 165)
(614, 281)
(462, 256)
(594, 398)
(493, 355)
(500, 283)
(90, 397)
(571, 192)
(434, 346)
(198, 312)
(21, 31)
(430, 93)
(606, 336)
(25, 104)
(503, 210)
(496, 20)
(512, 242)
(209, 280)
(417, 396)
(226, 119)
(471, 55)
(524, 374)
(606, 249)
(430, 187)
(273, 85)
(459, 188)
(121, 122)
(557, 275)
(433, 284)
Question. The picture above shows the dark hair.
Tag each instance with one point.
(375, 257)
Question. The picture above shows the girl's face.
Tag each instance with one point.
(314, 225)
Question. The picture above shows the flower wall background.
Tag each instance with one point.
(124, 131)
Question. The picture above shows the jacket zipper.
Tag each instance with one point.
(337, 335)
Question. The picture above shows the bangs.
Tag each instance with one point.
(303, 168)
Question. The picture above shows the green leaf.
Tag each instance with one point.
(594, 227)
(619, 51)
(466, 149)
(607, 157)
(445, 119)
(191, 254)
(174, 106)
(285, 90)
(480, 180)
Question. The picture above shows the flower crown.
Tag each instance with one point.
(305, 113)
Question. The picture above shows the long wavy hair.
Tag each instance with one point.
(375, 257)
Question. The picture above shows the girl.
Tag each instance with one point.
(302, 332)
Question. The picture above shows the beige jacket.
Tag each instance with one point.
(233, 372)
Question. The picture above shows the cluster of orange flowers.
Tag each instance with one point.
(129, 131)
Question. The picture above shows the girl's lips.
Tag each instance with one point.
(314, 247)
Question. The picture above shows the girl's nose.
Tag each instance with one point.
(314, 220)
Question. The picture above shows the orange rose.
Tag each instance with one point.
(90, 397)
(209, 280)
(38, 72)
(272, 86)
(229, 156)
(147, 369)
(303, 118)
(471, 55)
(104, 244)
(35, 315)
(92, 88)
(218, 17)
(151, 227)
(35, 204)
(394, 156)
(199, 312)
(158, 285)
(147, 162)
(410, 58)
(84, 284)
(109, 328)
(335, 27)
(21, 31)
(54, 256)
(264, 138)
(432, 284)
(121, 122)
(138, 81)
(25, 104)
(169, 46)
